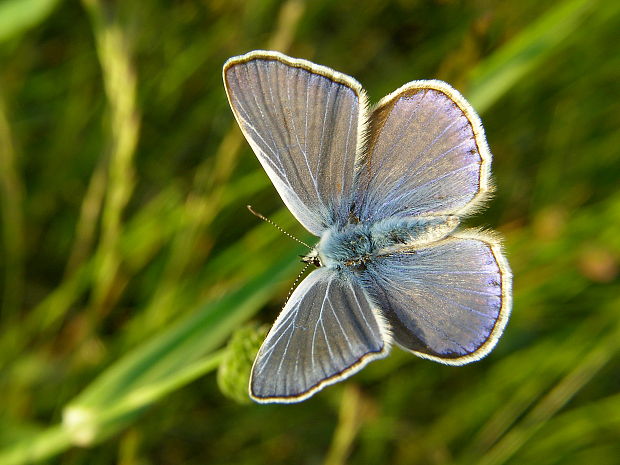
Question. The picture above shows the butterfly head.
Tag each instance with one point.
(350, 246)
(312, 258)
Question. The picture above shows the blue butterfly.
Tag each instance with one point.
(384, 190)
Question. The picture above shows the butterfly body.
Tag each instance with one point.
(383, 190)
(357, 243)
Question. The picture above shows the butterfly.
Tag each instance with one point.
(384, 190)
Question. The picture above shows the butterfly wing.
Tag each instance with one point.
(426, 154)
(449, 301)
(302, 121)
(326, 332)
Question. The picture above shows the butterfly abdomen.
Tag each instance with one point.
(393, 234)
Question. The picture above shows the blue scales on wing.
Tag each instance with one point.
(447, 301)
(426, 154)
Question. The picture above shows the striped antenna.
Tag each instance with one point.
(255, 213)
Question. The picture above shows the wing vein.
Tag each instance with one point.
(406, 124)
(341, 327)
(397, 199)
(292, 119)
(254, 93)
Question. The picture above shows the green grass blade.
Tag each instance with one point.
(167, 355)
(12, 216)
(17, 16)
(506, 67)
(41, 446)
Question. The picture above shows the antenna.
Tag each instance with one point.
(303, 270)
(258, 215)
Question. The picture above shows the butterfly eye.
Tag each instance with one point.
(353, 219)
(312, 259)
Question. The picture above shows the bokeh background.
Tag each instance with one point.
(128, 259)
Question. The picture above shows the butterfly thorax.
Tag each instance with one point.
(354, 245)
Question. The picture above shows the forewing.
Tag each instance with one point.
(426, 154)
(448, 302)
(326, 332)
(302, 121)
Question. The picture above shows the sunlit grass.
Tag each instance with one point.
(128, 258)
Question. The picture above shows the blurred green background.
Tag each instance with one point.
(128, 259)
